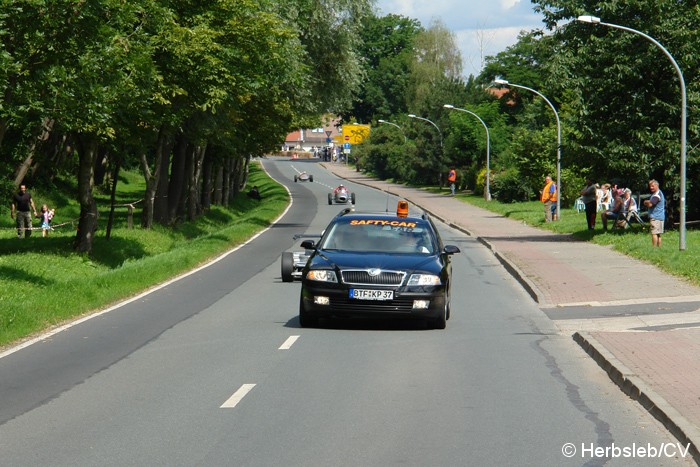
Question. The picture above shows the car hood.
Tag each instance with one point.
(386, 261)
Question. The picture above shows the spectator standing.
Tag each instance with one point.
(46, 215)
(452, 179)
(590, 201)
(657, 212)
(21, 203)
(549, 197)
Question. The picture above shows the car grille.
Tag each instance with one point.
(350, 306)
(363, 277)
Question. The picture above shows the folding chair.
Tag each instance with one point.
(624, 221)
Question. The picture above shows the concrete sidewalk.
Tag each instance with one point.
(645, 335)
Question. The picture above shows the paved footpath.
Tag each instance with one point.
(651, 353)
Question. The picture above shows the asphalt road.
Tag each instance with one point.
(214, 370)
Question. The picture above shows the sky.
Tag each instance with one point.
(497, 22)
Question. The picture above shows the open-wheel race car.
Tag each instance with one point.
(341, 195)
(292, 262)
(303, 177)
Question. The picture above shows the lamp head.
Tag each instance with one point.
(381, 121)
(449, 106)
(588, 19)
(411, 116)
(501, 81)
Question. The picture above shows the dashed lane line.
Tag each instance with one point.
(288, 343)
(237, 396)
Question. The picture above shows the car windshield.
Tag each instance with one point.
(380, 236)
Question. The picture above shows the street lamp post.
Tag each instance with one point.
(426, 120)
(487, 195)
(596, 20)
(556, 114)
(394, 124)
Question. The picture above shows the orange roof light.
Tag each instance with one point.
(402, 208)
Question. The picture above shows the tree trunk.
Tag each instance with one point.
(218, 185)
(151, 180)
(193, 205)
(226, 182)
(161, 213)
(46, 127)
(113, 195)
(207, 182)
(101, 162)
(87, 223)
(177, 177)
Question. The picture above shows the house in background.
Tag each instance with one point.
(308, 139)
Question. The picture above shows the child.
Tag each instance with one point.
(46, 216)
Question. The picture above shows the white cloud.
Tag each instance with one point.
(481, 28)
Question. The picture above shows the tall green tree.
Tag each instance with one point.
(387, 53)
(626, 93)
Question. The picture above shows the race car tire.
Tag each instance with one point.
(330, 198)
(311, 178)
(287, 266)
(352, 198)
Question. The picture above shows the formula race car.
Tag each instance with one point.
(293, 262)
(303, 177)
(341, 195)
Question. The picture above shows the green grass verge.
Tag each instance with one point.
(633, 242)
(44, 283)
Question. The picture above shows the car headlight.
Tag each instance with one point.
(322, 275)
(424, 279)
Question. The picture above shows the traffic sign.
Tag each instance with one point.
(328, 140)
(347, 138)
(346, 145)
(328, 133)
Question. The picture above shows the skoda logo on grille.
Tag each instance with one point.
(374, 272)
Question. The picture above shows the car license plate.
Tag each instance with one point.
(364, 294)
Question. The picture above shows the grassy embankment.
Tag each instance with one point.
(44, 283)
(634, 242)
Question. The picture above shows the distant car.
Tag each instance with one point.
(303, 177)
(341, 195)
(377, 264)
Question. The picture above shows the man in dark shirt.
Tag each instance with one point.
(22, 202)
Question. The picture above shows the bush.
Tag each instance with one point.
(509, 187)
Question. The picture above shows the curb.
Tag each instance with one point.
(686, 432)
(512, 269)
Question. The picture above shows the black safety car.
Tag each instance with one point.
(377, 264)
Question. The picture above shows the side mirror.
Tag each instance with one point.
(451, 249)
(308, 244)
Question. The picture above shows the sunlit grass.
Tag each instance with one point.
(44, 282)
(634, 242)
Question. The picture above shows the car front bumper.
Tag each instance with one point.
(423, 302)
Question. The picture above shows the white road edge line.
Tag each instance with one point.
(288, 343)
(55, 331)
(237, 396)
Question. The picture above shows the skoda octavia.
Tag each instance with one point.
(377, 264)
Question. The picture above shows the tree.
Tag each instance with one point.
(626, 92)
(387, 51)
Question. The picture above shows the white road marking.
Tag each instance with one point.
(237, 396)
(288, 343)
